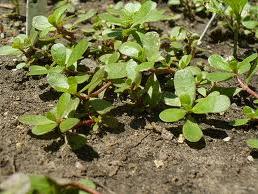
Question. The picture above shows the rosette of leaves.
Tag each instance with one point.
(132, 15)
(59, 24)
(188, 105)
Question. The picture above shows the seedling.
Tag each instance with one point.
(252, 143)
(250, 115)
(132, 16)
(185, 89)
(233, 19)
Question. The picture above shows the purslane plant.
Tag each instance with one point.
(234, 69)
(185, 89)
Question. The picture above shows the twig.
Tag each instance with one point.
(83, 96)
(206, 28)
(245, 87)
(163, 71)
(81, 187)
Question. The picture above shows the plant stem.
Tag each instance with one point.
(245, 87)
(83, 96)
(80, 186)
(168, 70)
(206, 28)
(236, 35)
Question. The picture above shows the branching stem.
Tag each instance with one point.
(245, 87)
(83, 96)
(80, 186)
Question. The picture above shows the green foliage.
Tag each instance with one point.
(185, 89)
(252, 143)
(250, 115)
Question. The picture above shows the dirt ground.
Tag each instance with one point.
(143, 156)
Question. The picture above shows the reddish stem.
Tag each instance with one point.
(96, 93)
(81, 187)
(245, 87)
(87, 123)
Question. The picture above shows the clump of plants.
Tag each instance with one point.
(132, 63)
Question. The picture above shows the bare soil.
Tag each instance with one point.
(143, 156)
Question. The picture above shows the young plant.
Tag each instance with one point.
(252, 143)
(234, 69)
(188, 105)
(250, 115)
(233, 19)
(132, 16)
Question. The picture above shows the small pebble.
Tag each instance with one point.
(250, 158)
(158, 163)
(181, 139)
(2, 36)
(79, 165)
(226, 139)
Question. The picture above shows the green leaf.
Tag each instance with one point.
(110, 58)
(237, 6)
(185, 61)
(116, 70)
(212, 104)
(62, 105)
(172, 115)
(145, 66)
(88, 183)
(71, 107)
(41, 23)
(58, 15)
(84, 17)
(219, 76)
(153, 90)
(78, 51)
(58, 81)
(184, 83)
(8, 50)
(219, 63)
(202, 91)
(82, 78)
(171, 99)
(35, 120)
(95, 81)
(248, 112)
(76, 141)
(58, 52)
(253, 143)
(151, 46)
(186, 101)
(37, 70)
(132, 73)
(132, 8)
(112, 19)
(101, 106)
(192, 132)
(43, 129)
(239, 122)
(131, 49)
(68, 124)
(43, 185)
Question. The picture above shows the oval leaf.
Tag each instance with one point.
(172, 115)
(192, 132)
(212, 104)
(68, 124)
(253, 143)
(35, 120)
(43, 129)
(58, 52)
(131, 49)
(218, 62)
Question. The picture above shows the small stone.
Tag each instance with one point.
(6, 113)
(79, 166)
(250, 158)
(181, 138)
(2, 35)
(16, 24)
(158, 163)
(226, 139)
(165, 134)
